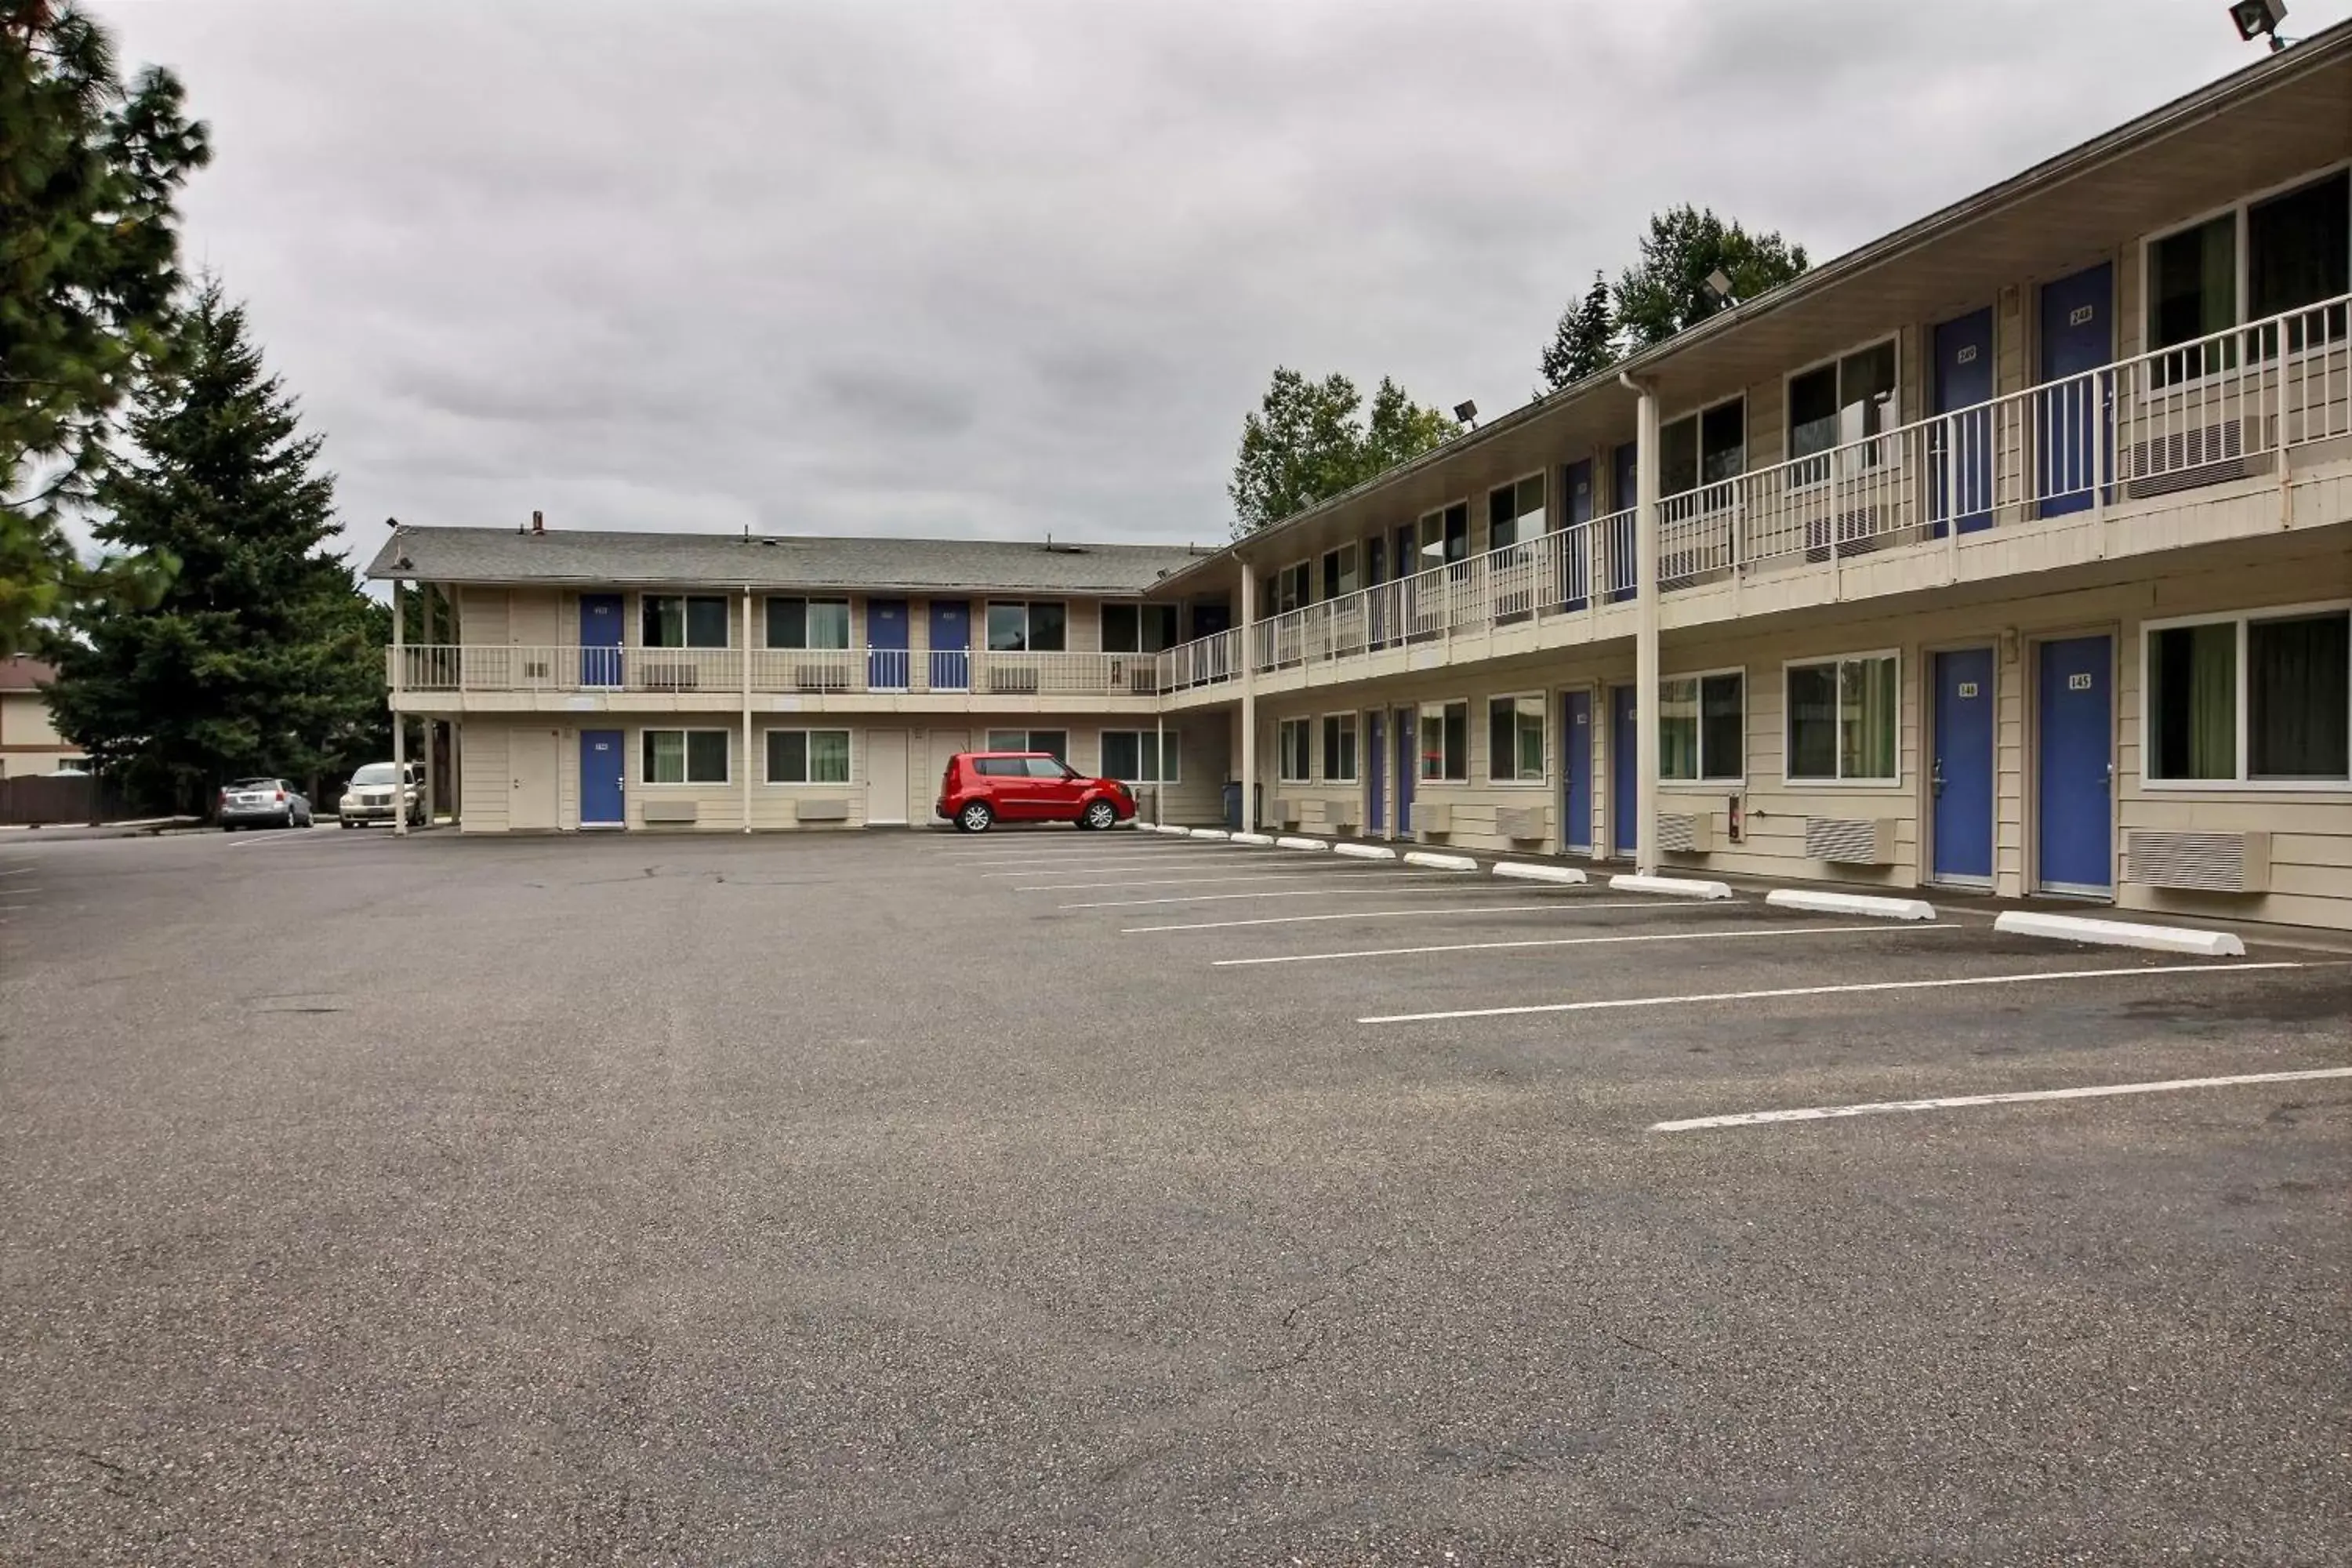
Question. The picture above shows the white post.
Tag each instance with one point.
(399, 721)
(432, 807)
(1249, 699)
(1645, 634)
(1159, 766)
(744, 654)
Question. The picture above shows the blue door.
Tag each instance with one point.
(1961, 779)
(600, 779)
(1576, 756)
(1617, 554)
(1376, 765)
(1408, 763)
(2074, 741)
(1960, 449)
(2071, 423)
(886, 645)
(1576, 564)
(1624, 743)
(600, 639)
(950, 645)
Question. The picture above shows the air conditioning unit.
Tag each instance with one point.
(1339, 815)
(668, 676)
(2200, 862)
(1520, 824)
(1286, 813)
(1851, 840)
(2190, 455)
(1016, 681)
(829, 809)
(536, 669)
(821, 678)
(1433, 817)
(1686, 833)
(671, 813)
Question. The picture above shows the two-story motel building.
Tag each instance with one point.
(2009, 553)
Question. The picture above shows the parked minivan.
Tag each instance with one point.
(981, 788)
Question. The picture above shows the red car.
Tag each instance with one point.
(981, 788)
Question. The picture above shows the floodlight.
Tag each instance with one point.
(2256, 18)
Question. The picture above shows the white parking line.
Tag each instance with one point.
(20, 871)
(1290, 876)
(1035, 868)
(1221, 898)
(1820, 991)
(1961, 1101)
(1573, 941)
(1426, 911)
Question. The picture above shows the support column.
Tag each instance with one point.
(1249, 697)
(432, 803)
(399, 720)
(746, 655)
(1645, 635)
(1159, 764)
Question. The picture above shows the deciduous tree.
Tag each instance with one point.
(1309, 441)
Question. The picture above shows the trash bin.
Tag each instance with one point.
(1233, 823)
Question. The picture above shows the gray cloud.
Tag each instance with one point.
(1013, 267)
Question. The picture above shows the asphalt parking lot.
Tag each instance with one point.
(1044, 1196)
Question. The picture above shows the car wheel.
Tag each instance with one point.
(349, 824)
(975, 816)
(1098, 815)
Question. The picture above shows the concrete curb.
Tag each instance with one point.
(1364, 851)
(1254, 840)
(1207, 833)
(1171, 830)
(2121, 933)
(1669, 887)
(1301, 843)
(1429, 859)
(1851, 904)
(1526, 873)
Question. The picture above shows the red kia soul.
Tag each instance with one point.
(983, 788)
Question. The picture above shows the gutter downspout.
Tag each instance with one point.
(1645, 627)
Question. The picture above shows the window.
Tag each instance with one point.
(1288, 589)
(1001, 767)
(1340, 748)
(2297, 250)
(1294, 739)
(1842, 714)
(1515, 513)
(2264, 699)
(1703, 448)
(1445, 537)
(1340, 575)
(1138, 628)
(680, 620)
(808, 756)
(1445, 740)
(1515, 739)
(1702, 728)
(686, 756)
(1844, 400)
(1133, 756)
(1053, 742)
(1017, 628)
(1046, 768)
(808, 622)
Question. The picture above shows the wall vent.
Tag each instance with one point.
(2200, 862)
(1851, 840)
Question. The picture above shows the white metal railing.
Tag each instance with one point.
(502, 668)
(1203, 661)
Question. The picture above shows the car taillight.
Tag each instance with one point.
(281, 794)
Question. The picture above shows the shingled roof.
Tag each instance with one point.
(581, 557)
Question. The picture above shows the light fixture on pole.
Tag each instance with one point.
(1718, 285)
(1467, 413)
(2256, 18)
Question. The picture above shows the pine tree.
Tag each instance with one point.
(258, 657)
(1667, 292)
(89, 256)
(1585, 342)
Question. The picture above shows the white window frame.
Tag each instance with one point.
(849, 749)
(1704, 782)
(1436, 515)
(1168, 744)
(1788, 408)
(1543, 512)
(1283, 729)
(685, 755)
(849, 622)
(1323, 749)
(1445, 774)
(1696, 416)
(1351, 565)
(1145, 609)
(685, 621)
(1029, 734)
(1518, 780)
(2240, 620)
(1028, 608)
(1788, 719)
(2241, 260)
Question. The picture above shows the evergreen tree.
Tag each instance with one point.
(1585, 343)
(1667, 292)
(89, 256)
(258, 658)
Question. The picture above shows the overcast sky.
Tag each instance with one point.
(998, 269)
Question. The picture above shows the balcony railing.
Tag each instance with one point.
(2197, 412)
(497, 667)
